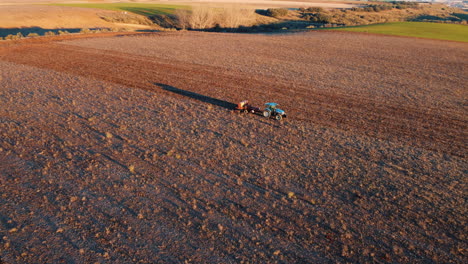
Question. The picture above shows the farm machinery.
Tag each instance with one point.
(270, 110)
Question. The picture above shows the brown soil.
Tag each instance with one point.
(123, 149)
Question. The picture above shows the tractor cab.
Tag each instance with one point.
(271, 106)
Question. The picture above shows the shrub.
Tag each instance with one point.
(386, 7)
(14, 37)
(49, 33)
(64, 32)
(32, 35)
(233, 17)
(183, 18)
(277, 12)
(383, 7)
(164, 21)
(201, 18)
(404, 5)
(314, 9)
(85, 31)
(19, 35)
(320, 18)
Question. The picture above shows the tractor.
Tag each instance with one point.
(272, 111)
(269, 111)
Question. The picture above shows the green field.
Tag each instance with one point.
(415, 29)
(137, 8)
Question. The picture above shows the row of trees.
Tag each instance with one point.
(206, 17)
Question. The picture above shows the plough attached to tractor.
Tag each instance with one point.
(270, 110)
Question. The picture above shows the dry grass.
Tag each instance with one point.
(233, 17)
(50, 17)
(128, 18)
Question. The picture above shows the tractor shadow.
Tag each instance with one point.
(197, 96)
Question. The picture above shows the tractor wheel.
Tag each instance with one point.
(267, 113)
(279, 117)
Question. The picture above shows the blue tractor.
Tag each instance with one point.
(272, 111)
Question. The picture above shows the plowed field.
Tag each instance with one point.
(125, 149)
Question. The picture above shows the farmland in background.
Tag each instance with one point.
(143, 9)
(415, 29)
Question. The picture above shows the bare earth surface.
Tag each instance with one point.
(123, 149)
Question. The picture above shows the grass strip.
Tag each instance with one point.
(137, 8)
(429, 30)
